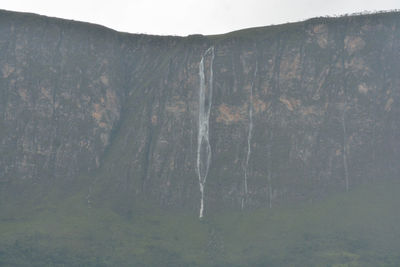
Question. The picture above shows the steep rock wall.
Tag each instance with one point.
(297, 110)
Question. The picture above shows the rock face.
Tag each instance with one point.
(296, 110)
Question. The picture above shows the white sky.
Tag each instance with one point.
(183, 17)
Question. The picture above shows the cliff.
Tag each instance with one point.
(256, 118)
(296, 110)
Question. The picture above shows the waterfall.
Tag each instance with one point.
(249, 135)
(203, 145)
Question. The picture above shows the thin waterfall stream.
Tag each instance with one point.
(203, 143)
(249, 135)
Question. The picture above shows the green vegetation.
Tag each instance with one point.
(358, 228)
(264, 31)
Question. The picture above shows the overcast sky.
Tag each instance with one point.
(183, 17)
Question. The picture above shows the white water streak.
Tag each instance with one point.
(203, 145)
(249, 135)
(346, 171)
(270, 195)
(269, 185)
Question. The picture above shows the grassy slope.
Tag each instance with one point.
(359, 228)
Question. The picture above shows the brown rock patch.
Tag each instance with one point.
(231, 114)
